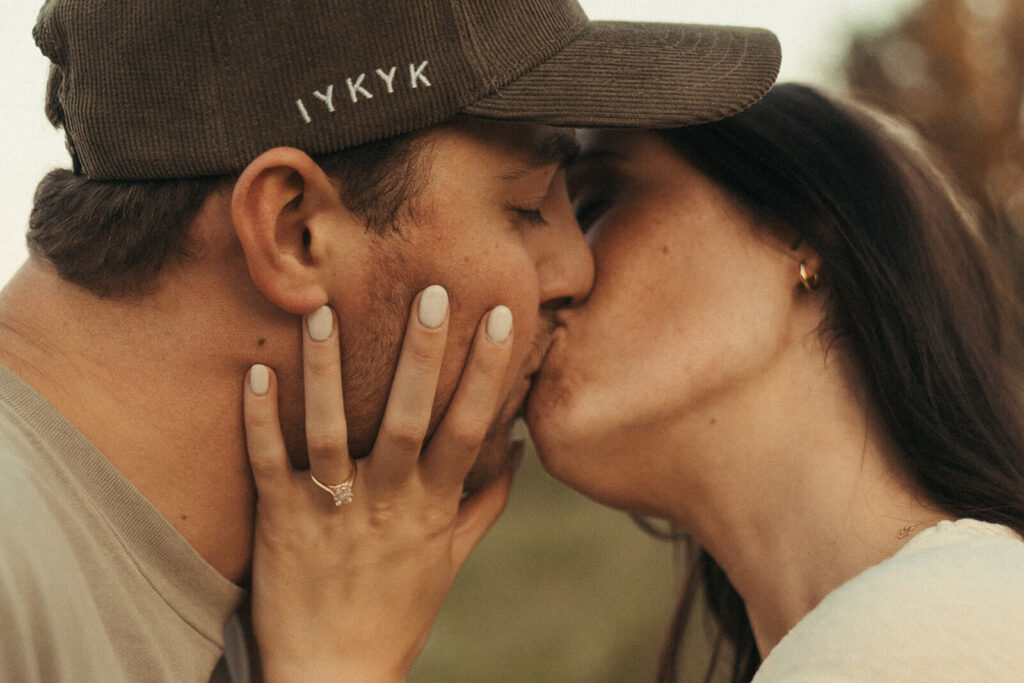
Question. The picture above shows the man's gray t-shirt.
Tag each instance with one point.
(95, 585)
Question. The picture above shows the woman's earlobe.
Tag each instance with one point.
(810, 280)
(809, 264)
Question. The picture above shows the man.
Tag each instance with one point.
(238, 165)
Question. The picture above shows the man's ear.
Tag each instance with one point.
(283, 208)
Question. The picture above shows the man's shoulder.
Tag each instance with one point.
(46, 509)
(23, 449)
(27, 488)
(34, 546)
(44, 601)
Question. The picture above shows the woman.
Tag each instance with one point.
(796, 351)
(800, 352)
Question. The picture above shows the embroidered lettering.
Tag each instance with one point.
(356, 89)
(302, 110)
(360, 88)
(327, 99)
(416, 75)
(388, 78)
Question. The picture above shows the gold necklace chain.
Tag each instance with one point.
(903, 534)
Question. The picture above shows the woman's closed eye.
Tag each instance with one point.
(593, 190)
(589, 206)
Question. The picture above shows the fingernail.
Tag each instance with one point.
(433, 306)
(320, 323)
(259, 379)
(499, 324)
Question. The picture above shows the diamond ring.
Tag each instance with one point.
(342, 492)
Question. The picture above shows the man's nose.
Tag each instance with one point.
(565, 265)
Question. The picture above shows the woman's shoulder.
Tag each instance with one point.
(975, 556)
(948, 606)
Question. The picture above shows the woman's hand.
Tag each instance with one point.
(349, 592)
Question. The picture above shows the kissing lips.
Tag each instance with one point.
(529, 378)
(523, 395)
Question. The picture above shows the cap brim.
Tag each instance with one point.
(642, 75)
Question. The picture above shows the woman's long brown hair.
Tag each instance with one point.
(919, 297)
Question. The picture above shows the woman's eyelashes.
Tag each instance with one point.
(590, 208)
(592, 191)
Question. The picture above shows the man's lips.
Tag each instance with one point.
(530, 376)
(541, 352)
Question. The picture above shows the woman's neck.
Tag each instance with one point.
(801, 499)
(783, 563)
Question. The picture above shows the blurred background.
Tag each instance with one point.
(562, 589)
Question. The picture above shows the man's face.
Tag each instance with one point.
(493, 225)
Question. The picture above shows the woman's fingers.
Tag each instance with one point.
(458, 438)
(268, 458)
(330, 586)
(326, 430)
(410, 403)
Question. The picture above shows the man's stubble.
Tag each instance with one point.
(369, 353)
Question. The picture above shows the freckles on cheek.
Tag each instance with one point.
(521, 295)
(505, 278)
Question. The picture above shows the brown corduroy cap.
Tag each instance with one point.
(187, 88)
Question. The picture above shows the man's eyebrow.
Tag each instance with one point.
(554, 147)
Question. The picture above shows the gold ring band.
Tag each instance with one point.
(342, 492)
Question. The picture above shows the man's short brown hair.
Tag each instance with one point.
(114, 237)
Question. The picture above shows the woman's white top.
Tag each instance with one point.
(949, 606)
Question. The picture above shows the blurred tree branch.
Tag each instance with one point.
(955, 68)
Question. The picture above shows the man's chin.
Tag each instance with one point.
(503, 447)
(499, 455)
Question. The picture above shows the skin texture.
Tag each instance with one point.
(679, 321)
(278, 246)
(362, 611)
(472, 235)
(693, 384)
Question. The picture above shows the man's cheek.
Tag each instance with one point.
(460, 339)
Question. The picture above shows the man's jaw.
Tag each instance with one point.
(501, 451)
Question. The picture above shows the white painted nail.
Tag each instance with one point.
(433, 306)
(259, 379)
(499, 324)
(320, 323)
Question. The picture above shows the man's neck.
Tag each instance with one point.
(152, 389)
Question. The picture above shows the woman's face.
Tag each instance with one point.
(677, 340)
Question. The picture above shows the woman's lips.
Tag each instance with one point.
(531, 378)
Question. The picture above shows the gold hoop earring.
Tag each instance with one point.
(810, 282)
